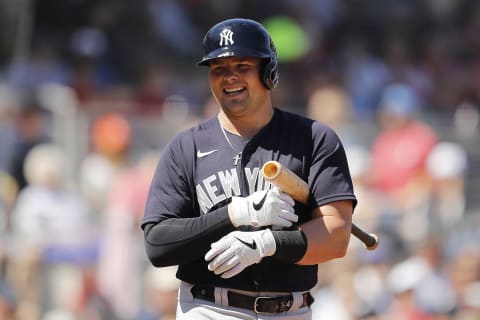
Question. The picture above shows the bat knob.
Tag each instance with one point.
(373, 243)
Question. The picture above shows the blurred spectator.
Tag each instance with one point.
(402, 280)
(150, 92)
(52, 227)
(330, 104)
(435, 297)
(335, 299)
(121, 244)
(31, 129)
(161, 290)
(402, 67)
(105, 173)
(447, 166)
(399, 154)
(365, 75)
(401, 148)
(47, 213)
(90, 71)
(110, 144)
(9, 109)
(167, 13)
(111, 135)
(466, 120)
(370, 282)
(434, 294)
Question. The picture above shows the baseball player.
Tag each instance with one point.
(245, 249)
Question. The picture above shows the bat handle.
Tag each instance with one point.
(370, 240)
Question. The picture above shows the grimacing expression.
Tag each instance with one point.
(235, 82)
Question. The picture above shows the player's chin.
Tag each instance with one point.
(235, 100)
(235, 106)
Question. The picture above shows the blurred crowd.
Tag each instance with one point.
(90, 92)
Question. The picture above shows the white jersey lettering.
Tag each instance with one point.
(212, 189)
(203, 201)
(251, 175)
(229, 181)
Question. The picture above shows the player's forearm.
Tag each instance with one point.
(176, 241)
(328, 233)
(324, 243)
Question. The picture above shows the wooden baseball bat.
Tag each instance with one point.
(289, 182)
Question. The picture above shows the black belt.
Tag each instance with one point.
(258, 304)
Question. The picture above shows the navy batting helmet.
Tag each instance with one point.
(242, 38)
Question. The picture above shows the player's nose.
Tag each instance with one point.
(230, 74)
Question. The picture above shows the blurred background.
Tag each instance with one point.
(91, 91)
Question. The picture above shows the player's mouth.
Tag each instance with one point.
(234, 91)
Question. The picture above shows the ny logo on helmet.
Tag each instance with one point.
(226, 37)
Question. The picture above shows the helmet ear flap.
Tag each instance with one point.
(270, 73)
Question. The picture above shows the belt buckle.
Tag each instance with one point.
(255, 304)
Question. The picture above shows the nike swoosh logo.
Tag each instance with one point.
(257, 206)
(252, 245)
(204, 154)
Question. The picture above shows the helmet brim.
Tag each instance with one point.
(232, 52)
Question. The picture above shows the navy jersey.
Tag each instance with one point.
(197, 174)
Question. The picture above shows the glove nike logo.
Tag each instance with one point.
(204, 154)
(252, 245)
(257, 206)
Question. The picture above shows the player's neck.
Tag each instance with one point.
(246, 126)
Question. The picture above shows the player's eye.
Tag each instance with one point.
(217, 70)
(245, 67)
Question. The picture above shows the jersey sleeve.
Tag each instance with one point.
(170, 195)
(329, 176)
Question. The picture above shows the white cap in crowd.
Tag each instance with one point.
(447, 160)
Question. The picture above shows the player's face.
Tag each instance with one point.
(235, 83)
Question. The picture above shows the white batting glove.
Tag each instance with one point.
(237, 250)
(263, 208)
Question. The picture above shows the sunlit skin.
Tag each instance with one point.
(245, 108)
(245, 103)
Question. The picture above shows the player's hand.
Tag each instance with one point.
(263, 208)
(238, 250)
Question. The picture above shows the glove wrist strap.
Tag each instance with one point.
(269, 244)
(239, 214)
